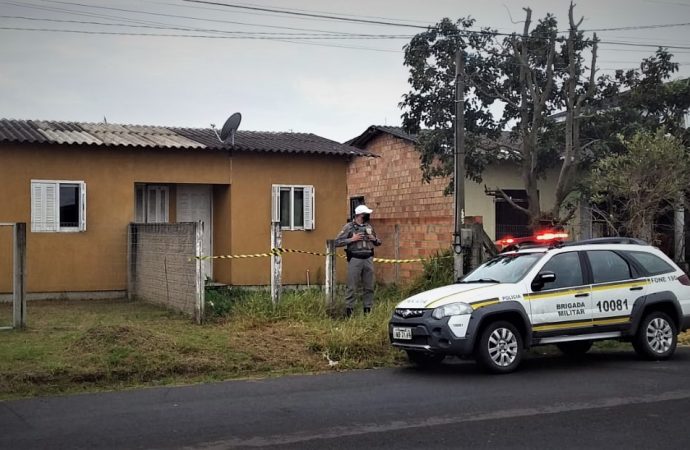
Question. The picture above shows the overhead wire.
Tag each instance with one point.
(329, 16)
(158, 14)
(207, 30)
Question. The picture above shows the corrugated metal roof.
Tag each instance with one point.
(363, 139)
(118, 135)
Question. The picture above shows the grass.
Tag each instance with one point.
(101, 345)
(5, 314)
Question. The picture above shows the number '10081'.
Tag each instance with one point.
(612, 305)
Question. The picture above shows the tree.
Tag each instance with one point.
(429, 104)
(642, 183)
(531, 75)
(633, 101)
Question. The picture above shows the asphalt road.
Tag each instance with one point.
(608, 400)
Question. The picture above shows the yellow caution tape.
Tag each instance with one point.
(279, 251)
(397, 261)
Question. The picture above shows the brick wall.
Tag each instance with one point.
(392, 186)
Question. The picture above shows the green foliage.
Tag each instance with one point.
(642, 183)
(438, 271)
(497, 70)
(429, 105)
(637, 101)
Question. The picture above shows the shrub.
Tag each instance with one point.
(438, 271)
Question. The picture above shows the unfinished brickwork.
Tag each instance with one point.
(413, 218)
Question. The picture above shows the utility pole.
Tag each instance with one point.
(459, 162)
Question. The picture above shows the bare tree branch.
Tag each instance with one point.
(507, 198)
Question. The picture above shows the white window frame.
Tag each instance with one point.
(161, 215)
(51, 215)
(309, 206)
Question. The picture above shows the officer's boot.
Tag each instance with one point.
(348, 312)
(367, 310)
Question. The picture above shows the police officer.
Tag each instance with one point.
(359, 238)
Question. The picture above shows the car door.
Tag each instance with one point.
(565, 303)
(615, 287)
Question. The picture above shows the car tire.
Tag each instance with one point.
(656, 338)
(574, 349)
(500, 347)
(425, 360)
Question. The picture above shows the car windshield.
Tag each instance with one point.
(506, 268)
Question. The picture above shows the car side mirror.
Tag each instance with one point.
(542, 279)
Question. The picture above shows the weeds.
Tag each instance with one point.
(438, 271)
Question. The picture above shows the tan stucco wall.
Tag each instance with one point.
(506, 176)
(253, 176)
(95, 260)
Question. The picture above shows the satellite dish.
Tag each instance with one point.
(230, 127)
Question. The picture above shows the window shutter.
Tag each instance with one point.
(44, 207)
(51, 209)
(38, 207)
(82, 206)
(275, 203)
(309, 202)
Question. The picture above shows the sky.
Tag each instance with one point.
(335, 88)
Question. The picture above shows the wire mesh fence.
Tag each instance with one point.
(164, 268)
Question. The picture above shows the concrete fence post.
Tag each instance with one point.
(330, 272)
(199, 272)
(19, 272)
(131, 259)
(477, 250)
(396, 250)
(276, 262)
(679, 233)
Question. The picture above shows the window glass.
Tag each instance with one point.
(608, 266)
(298, 208)
(509, 268)
(568, 271)
(651, 263)
(285, 207)
(354, 203)
(69, 205)
(140, 216)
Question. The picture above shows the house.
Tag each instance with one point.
(79, 185)
(414, 218)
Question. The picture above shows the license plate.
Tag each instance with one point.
(402, 333)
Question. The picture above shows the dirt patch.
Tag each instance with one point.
(95, 339)
(278, 345)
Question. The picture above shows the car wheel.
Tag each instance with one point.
(500, 348)
(657, 337)
(575, 348)
(425, 360)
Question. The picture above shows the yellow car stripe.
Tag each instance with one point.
(545, 295)
(611, 321)
(560, 326)
(433, 303)
(606, 287)
(484, 304)
(584, 324)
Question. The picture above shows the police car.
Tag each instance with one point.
(568, 294)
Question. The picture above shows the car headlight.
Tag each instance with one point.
(452, 309)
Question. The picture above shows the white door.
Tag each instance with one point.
(193, 205)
